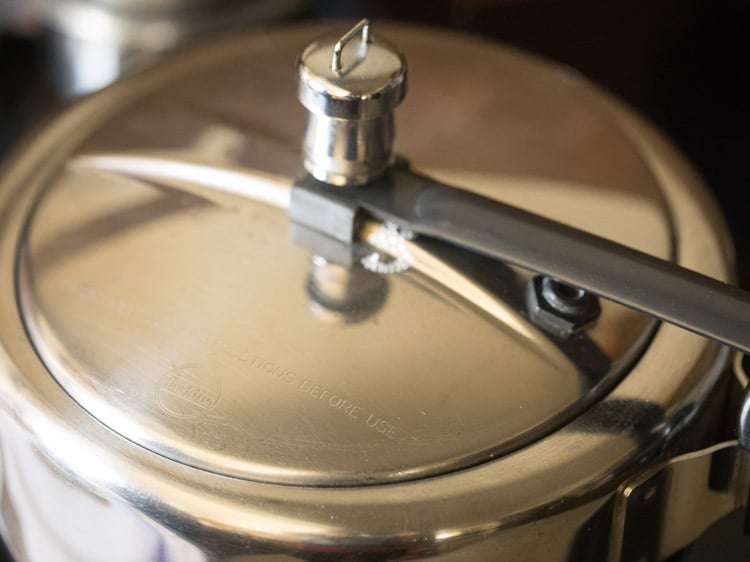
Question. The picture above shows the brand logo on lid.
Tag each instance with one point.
(186, 391)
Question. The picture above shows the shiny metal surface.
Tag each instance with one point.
(349, 84)
(159, 25)
(164, 6)
(743, 428)
(370, 82)
(116, 270)
(97, 41)
(199, 118)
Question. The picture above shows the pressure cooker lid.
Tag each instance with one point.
(165, 289)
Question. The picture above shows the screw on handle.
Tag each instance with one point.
(362, 26)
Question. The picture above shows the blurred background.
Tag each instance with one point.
(679, 62)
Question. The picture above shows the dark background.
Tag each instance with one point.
(679, 62)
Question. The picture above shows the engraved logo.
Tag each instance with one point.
(187, 392)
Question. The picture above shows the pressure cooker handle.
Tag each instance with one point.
(632, 278)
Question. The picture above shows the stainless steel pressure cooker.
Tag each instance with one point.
(248, 314)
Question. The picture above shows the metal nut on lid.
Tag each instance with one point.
(558, 308)
(350, 85)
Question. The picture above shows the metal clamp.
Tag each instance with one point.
(663, 510)
(659, 513)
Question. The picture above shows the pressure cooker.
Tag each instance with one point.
(243, 319)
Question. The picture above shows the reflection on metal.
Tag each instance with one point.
(204, 180)
(725, 325)
(232, 299)
(81, 67)
(738, 364)
(345, 293)
(743, 427)
(95, 41)
(394, 251)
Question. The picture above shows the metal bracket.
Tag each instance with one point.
(661, 512)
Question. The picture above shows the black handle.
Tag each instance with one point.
(698, 303)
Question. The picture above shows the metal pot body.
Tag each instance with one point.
(90, 474)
